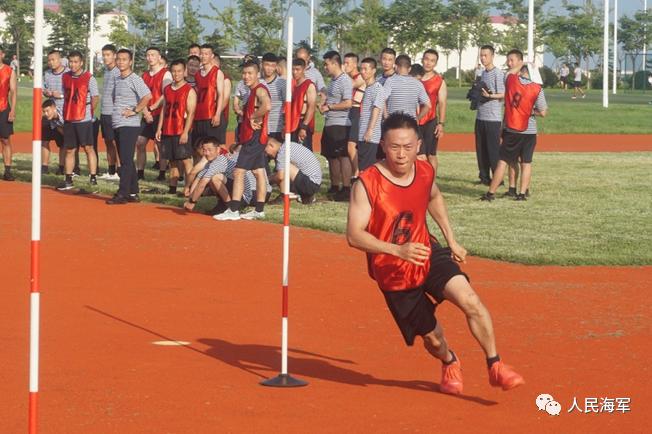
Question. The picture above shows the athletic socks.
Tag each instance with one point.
(141, 174)
(260, 206)
(111, 169)
(93, 177)
(161, 174)
(453, 360)
(492, 360)
(7, 170)
(45, 169)
(68, 178)
(172, 189)
(234, 205)
(512, 190)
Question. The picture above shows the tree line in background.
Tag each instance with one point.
(572, 33)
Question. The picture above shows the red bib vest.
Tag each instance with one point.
(246, 132)
(5, 81)
(432, 86)
(155, 84)
(206, 94)
(299, 105)
(75, 95)
(519, 102)
(176, 103)
(398, 216)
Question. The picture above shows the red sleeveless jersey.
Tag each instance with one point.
(398, 216)
(299, 105)
(75, 95)
(519, 102)
(5, 81)
(246, 132)
(155, 84)
(358, 93)
(432, 86)
(176, 103)
(206, 94)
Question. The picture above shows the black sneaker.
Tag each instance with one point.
(161, 177)
(488, 197)
(141, 175)
(93, 180)
(510, 193)
(520, 197)
(59, 171)
(156, 166)
(117, 200)
(8, 177)
(333, 190)
(133, 198)
(65, 186)
(344, 195)
(76, 171)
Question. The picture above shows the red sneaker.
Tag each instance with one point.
(501, 375)
(451, 378)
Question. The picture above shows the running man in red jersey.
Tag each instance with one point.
(387, 220)
(8, 88)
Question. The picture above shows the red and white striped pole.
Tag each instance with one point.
(34, 313)
(284, 379)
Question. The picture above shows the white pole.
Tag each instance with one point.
(35, 305)
(91, 55)
(605, 57)
(645, 44)
(530, 32)
(615, 67)
(167, 24)
(312, 23)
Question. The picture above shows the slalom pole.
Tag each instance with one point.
(284, 379)
(34, 312)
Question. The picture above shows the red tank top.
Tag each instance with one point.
(206, 94)
(75, 96)
(299, 105)
(246, 132)
(519, 102)
(5, 81)
(176, 103)
(358, 93)
(432, 86)
(398, 215)
(155, 84)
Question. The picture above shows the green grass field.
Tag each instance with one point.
(628, 113)
(585, 209)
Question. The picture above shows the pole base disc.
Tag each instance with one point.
(283, 380)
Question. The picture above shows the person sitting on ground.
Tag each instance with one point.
(305, 170)
(213, 158)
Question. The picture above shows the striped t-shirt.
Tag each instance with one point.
(303, 159)
(403, 93)
(313, 74)
(540, 105)
(492, 110)
(276, 89)
(53, 82)
(339, 89)
(127, 93)
(107, 91)
(372, 98)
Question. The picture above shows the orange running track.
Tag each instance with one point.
(116, 279)
(466, 142)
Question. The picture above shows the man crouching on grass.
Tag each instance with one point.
(205, 173)
(387, 220)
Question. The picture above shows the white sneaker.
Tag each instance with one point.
(254, 215)
(227, 215)
(293, 196)
(114, 177)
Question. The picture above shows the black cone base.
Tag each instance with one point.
(284, 380)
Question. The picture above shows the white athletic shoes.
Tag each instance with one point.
(227, 215)
(107, 177)
(253, 215)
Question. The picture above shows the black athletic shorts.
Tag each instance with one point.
(428, 140)
(252, 154)
(563, 79)
(172, 150)
(6, 127)
(203, 128)
(107, 128)
(517, 145)
(412, 309)
(76, 134)
(149, 130)
(334, 140)
(577, 84)
(304, 186)
(354, 117)
(367, 153)
(49, 134)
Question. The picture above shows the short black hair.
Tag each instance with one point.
(270, 57)
(388, 50)
(417, 70)
(333, 56)
(153, 49)
(399, 120)
(193, 57)
(55, 51)
(488, 47)
(371, 61)
(48, 103)
(352, 55)
(299, 62)
(208, 46)
(516, 52)
(431, 51)
(126, 50)
(208, 140)
(250, 63)
(109, 47)
(193, 45)
(403, 61)
(76, 53)
(178, 62)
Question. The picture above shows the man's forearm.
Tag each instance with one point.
(363, 240)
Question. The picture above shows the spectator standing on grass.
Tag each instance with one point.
(111, 72)
(577, 82)
(564, 72)
(8, 94)
(53, 90)
(14, 64)
(431, 126)
(369, 134)
(303, 106)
